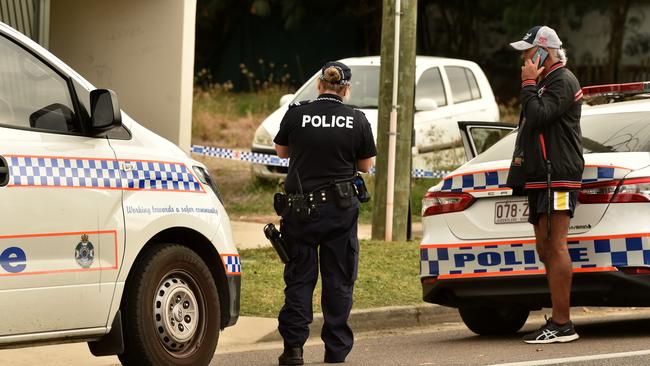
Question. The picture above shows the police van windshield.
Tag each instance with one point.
(614, 132)
(363, 94)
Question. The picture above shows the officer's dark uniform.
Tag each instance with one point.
(326, 138)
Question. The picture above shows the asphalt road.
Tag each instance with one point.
(606, 339)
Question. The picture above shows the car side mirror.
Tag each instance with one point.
(105, 112)
(425, 105)
(286, 99)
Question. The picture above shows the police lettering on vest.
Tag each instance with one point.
(324, 121)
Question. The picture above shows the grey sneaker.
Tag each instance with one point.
(552, 333)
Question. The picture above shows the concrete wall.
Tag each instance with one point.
(144, 50)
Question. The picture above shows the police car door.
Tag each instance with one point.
(59, 216)
(480, 136)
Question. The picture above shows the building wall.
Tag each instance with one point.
(144, 50)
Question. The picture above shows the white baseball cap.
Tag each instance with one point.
(540, 35)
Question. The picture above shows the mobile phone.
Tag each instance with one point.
(540, 54)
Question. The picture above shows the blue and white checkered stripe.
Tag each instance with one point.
(249, 156)
(497, 179)
(476, 181)
(274, 160)
(594, 174)
(450, 261)
(66, 172)
(421, 173)
(149, 175)
(232, 263)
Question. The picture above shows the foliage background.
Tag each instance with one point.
(298, 36)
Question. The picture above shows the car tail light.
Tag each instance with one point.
(633, 190)
(626, 191)
(598, 192)
(635, 270)
(435, 203)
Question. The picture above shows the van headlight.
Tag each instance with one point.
(262, 137)
(205, 178)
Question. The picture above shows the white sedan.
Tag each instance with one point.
(478, 250)
(446, 91)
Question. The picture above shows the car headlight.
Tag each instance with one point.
(204, 177)
(262, 137)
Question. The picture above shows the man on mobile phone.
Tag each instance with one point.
(547, 166)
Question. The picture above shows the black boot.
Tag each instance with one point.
(291, 356)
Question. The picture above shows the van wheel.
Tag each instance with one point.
(171, 309)
(502, 320)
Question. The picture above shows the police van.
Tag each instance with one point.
(109, 234)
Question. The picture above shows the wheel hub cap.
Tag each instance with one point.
(176, 313)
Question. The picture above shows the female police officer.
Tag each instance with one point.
(327, 142)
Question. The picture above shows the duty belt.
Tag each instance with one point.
(318, 196)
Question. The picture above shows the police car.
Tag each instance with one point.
(446, 91)
(109, 234)
(478, 250)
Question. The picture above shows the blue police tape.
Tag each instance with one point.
(274, 160)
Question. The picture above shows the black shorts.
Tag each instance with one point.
(538, 201)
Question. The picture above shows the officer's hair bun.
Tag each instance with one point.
(332, 75)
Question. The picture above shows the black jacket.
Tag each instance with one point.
(549, 132)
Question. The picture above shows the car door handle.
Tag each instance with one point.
(4, 172)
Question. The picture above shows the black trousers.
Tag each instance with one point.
(332, 243)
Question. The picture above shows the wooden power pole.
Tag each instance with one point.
(405, 109)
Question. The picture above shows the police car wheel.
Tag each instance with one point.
(495, 320)
(171, 309)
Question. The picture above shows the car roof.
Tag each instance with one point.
(420, 61)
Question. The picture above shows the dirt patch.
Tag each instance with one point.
(222, 131)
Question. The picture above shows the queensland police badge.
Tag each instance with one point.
(85, 252)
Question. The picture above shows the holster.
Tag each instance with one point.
(344, 194)
(280, 203)
(278, 243)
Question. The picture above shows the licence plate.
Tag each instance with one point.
(510, 212)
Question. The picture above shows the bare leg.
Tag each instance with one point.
(555, 255)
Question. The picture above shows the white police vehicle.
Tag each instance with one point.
(109, 234)
(447, 91)
(478, 251)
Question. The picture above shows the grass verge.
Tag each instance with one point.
(388, 276)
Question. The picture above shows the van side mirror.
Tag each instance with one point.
(286, 99)
(425, 105)
(105, 113)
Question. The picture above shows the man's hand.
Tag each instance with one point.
(530, 70)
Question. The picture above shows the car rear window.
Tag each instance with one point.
(614, 132)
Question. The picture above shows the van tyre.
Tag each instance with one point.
(171, 310)
(494, 320)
